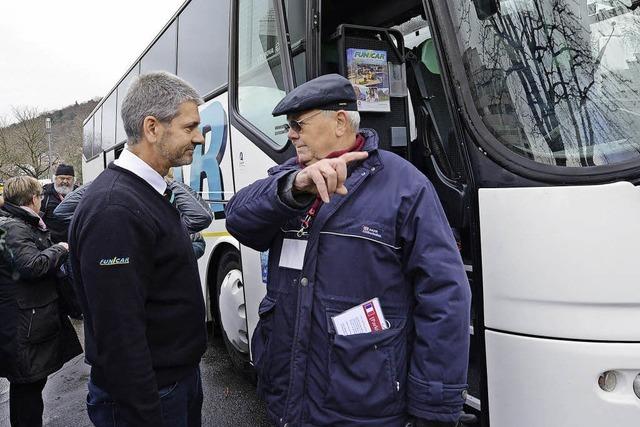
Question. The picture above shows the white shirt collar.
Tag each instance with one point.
(136, 165)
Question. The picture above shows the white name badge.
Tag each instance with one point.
(292, 254)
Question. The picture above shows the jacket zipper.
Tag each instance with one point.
(33, 314)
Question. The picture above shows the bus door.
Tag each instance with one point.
(548, 120)
(261, 72)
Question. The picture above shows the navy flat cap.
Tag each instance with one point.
(328, 92)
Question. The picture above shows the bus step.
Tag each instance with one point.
(473, 402)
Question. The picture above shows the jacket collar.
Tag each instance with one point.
(19, 213)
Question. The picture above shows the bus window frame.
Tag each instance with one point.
(277, 153)
(472, 123)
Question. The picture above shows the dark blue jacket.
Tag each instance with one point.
(387, 238)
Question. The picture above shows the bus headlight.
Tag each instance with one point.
(636, 386)
(608, 380)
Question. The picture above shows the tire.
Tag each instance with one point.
(230, 265)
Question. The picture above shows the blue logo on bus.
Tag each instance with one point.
(206, 165)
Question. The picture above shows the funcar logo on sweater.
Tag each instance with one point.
(114, 261)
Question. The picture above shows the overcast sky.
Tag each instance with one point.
(53, 53)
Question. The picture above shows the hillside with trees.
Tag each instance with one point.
(24, 148)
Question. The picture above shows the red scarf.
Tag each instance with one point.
(315, 207)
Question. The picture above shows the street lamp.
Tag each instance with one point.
(47, 126)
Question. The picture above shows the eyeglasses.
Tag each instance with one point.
(296, 125)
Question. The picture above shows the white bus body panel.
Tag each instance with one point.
(92, 168)
(250, 164)
(213, 114)
(562, 261)
(537, 382)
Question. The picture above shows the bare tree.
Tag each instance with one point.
(546, 57)
(24, 146)
(29, 143)
(5, 149)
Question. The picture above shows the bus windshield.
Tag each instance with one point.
(556, 81)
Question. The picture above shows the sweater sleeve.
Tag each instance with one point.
(64, 211)
(194, 212)
(114, 252)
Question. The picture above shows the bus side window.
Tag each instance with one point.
(260, 78)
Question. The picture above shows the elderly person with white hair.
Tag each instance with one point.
(53, 194)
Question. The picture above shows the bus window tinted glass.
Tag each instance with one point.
(97, 133)
(123, 87)
(260, 80)
(296, 20)
(556, 81)
(162, 55)
(203, 39)
(300, 68)
(87, 139)
(109, 122)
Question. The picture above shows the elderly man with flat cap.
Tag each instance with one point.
(346, 223)
(53, 194)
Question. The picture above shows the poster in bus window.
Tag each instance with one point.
(368, 72)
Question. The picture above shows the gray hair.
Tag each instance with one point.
(158, 94)
(353, 118)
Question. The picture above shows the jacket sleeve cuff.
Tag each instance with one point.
(285, 193)
(435, 401)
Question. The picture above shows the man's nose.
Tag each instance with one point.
(292, 134)
(198, 138)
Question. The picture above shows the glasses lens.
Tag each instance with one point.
(295, 125)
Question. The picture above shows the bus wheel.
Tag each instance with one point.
(232, 311)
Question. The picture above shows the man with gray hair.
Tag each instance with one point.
(135, 272)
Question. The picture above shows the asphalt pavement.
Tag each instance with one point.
(229, 398)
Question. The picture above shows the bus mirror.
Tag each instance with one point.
(485, 9)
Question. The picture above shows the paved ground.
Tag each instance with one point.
(229, 399)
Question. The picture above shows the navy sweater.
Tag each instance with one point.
(137, 280)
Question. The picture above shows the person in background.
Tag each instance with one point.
(346, 222)
(134, 268)
(36, 337)
(194, 212)
(63, 184)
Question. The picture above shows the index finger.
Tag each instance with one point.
(354, 156)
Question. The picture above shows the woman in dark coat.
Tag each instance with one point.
(36, 337)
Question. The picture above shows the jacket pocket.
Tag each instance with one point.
(367, 372)
(261, 337)
(40, 324)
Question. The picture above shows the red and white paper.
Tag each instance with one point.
(361, 319)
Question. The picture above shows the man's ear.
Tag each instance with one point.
(151, 129)
(342, 124)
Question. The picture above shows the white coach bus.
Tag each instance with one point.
(525, 114)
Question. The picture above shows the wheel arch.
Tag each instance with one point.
(223, 245)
